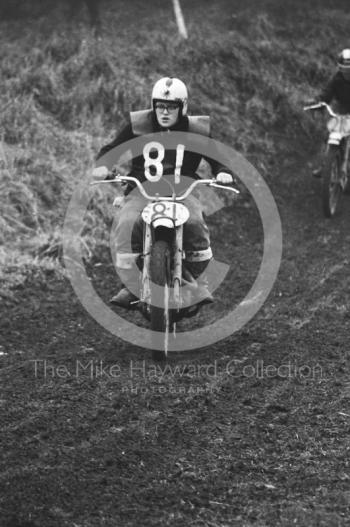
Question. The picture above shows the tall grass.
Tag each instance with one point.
(65, 94)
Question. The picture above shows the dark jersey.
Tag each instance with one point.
(187, 162)
(337, 90)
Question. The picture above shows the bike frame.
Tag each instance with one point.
(335, 178)
(338, 126)
(151, 227)
(167, 272)
(339, 135)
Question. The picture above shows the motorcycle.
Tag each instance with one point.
(335, 170)
(165, 284)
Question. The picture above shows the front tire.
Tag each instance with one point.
(331, 187)
(347, 187)
(160, 312)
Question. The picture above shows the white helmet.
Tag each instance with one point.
(344, 61)
(170, 89)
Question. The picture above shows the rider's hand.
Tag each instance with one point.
(224, 178)
(100, 173)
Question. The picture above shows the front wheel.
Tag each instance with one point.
(160, 312)
(346, 182)
(347, 186)
(331, 182)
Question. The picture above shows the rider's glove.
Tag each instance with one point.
(100, 173)
(224, 178)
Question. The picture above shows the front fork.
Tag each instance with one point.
(146, 279)
(177, 271)
(344, 165)
(344, 147)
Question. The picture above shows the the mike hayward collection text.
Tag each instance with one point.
(99, 369)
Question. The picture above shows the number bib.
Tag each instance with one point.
(169, 210)
(153, 163)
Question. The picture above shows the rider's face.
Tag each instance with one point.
(167, 113)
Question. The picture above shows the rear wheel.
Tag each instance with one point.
(160, 312)
(331, 186)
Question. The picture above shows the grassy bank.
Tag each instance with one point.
(250, 65)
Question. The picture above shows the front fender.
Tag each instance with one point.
(335, 138)
(163, 222)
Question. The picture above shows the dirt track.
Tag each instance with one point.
(251, 432)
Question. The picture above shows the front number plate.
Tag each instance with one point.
(176, 212)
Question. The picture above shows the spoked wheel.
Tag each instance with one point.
(346, 177)
(160, 312)
(346, 181)
(331, 182)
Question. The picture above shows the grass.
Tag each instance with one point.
(250, 451)
(64, 94)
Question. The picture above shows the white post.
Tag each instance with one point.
(180, 19)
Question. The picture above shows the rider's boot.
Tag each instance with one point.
(126, 297)
(201, 294)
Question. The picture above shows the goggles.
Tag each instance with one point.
(169, 106)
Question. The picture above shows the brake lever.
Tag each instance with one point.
(225, 187)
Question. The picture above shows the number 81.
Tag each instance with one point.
(157, 161)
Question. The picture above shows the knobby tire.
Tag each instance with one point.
(331, 188)
(160, 314)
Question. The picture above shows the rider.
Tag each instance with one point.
(168, 113)
(337, 90)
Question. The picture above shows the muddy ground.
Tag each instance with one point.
(252, 431)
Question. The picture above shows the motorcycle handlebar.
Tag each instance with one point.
(208, 182)
(321, 105)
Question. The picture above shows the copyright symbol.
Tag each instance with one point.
(227, 324)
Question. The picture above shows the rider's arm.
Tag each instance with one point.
(218, 169)
(327, 94)
(125, 135)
